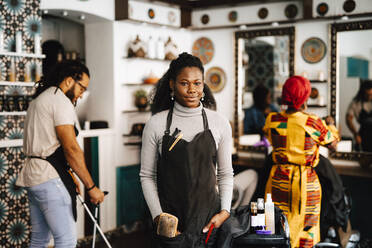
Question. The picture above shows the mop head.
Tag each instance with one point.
(167, 225)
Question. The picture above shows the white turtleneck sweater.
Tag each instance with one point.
(190, 122)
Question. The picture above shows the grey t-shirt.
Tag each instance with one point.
(50, 109)
(190, 122)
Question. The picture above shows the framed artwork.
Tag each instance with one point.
(322, 9)
(233, 16)
(215, 79)
(151, 13)
(204, 49)
(205, 19)
(291, 11)
(313, 50)
(262, 13)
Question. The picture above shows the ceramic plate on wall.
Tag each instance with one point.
(151, 13)
(262, 13)
(291, 11)
(313, 50)
(349, 6)
(233, 16)
(171, 17)
(322, 9)
(215, 79)
(205, 19)
(203, 48)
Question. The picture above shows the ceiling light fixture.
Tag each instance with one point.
(64, 13)
(345, 18)
(82, 17)
(45, 11)
(275, 24)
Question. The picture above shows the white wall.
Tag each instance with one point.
(100, 8)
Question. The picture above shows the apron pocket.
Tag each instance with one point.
(165, 242)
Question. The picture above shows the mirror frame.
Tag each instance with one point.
(363, 158)
(248, 34)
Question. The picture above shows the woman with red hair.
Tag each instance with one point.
(293, 182)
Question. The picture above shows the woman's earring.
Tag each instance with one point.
(172, 95)
(202, 98)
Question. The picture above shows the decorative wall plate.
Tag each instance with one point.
(313, 50)
(233, 16)
(349, 5)
(205, 19)
(151, 13)
(262, 13)
(314, 93)
(171, 16)
(203, 48)
(215, 79)
(291, 11)
(322, 9)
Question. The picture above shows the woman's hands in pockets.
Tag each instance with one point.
(217, 220)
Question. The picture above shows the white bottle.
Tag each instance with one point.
(151, 49)
(1, 40)
(270, 214)
(160, 49)
(19, 42)
(37, 46)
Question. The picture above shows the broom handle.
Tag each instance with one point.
(95, 221)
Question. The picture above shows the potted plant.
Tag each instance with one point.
(141, 100)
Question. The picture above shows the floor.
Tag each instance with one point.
(137, 240)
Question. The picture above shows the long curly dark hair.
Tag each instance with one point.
(160, 97)
(365, 84)
(58, 73)
(260, 97)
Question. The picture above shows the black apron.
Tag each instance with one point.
(365, 131)
(186, 181)
(59, 162)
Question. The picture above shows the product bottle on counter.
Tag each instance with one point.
(160, 49)
(1, 40)
(12, 71)
(270, 214)
(37, 46)
(260, 214)
(253, 217)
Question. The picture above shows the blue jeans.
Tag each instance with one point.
(51, 213)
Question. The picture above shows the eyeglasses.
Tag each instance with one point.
(82, 86)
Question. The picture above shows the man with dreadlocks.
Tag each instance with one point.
(51, 151)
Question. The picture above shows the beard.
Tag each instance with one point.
(70, 95)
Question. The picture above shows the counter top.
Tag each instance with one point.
(343, 167)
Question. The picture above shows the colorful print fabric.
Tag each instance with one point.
(293, 182)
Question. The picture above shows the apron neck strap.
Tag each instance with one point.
(169, 120)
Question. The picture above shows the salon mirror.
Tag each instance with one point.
(351, 62)
(266, 58)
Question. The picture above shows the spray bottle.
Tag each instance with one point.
(270, 214)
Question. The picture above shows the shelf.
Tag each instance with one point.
(138, 84)
(133, 143)
(318, 81)
(27, 84)
(316, 106)
(29, 55)
(135, 111)
(144, 58)
(11, 143)
(131, 135)
(13, 113)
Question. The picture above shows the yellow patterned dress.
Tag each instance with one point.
(293, 182)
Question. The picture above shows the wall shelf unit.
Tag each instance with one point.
(316, 106)
(135, 111)
(145, 58)
(13, 113)
(8, 83)
(27, 55)
(11, 143)
(138, 84)
(133, 143)
(318, 81)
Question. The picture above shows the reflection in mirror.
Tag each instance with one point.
(351, 57)
(264, 60)
(355, 109)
